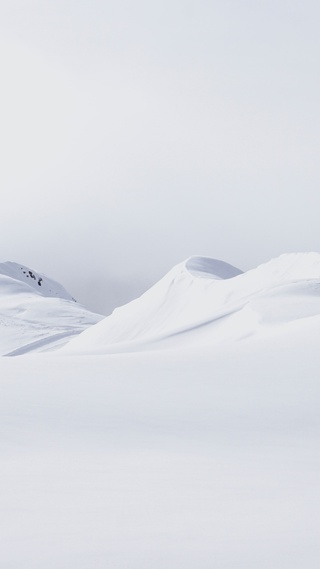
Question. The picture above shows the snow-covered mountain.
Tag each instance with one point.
(204, 301)
(42, 284)
(36, 312)
(201, 301)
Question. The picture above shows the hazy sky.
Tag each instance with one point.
(137, 133)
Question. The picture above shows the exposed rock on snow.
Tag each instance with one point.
(40, 283)
(196, 458)
(36, 312)
(201, 301)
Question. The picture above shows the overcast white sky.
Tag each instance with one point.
(137, 133)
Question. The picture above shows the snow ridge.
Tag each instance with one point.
(40, 283)
(206, 301)
(204, 267)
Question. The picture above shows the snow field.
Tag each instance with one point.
(181, 431)
(176, 459)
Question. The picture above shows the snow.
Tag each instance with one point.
(210, 268)
(36, 312)
(206, 302)
(42, 284)
(194, 446)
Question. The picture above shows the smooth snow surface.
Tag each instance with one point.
(188, 458)
(205, 302)
(36, 312)
(202, 454)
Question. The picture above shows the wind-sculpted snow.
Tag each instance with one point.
(202, 456)
(201, 301)
(210, 268)
(36, 312)
(204, 301)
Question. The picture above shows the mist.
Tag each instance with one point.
(137, 134)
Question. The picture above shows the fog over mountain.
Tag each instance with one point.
(134, 135)
(159, 342)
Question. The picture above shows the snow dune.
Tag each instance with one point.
(204, 267)
(204, 301)
(199, 302)
(199, 456)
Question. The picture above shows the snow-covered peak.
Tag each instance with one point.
(289, 267)
(41, 284)
(36, 312)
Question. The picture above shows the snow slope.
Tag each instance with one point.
(203, 302)
(201, 456)
(42, 284)
(195, 458)
(36, 312)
